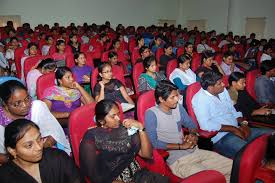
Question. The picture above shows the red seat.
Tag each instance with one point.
(104, 56)
(117, 71)
(207, 176)
(18, 54)
(85, 116)
(45, 81)
(250, 82)
(180, 51)
(135, 55)
(259, 55)
(172, 64)
(70, 60)
(30, 62)
(190, 92)
(219, 58)
(89, 59)
(138, 69)
(196, 61)
(248, 161)
(159, 52)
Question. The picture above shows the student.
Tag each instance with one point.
(16, 103)
(264, 86)
(156, 44)
(148, 80)
(267, 53)
(183, 76)
(45, 66)
(74, 44)
(228, 65)
(30, 162)
(109, 88)
(188, 47)
(166, 57)
(81, 71)
(208, 64)
(144, 52)
(119, 154)
(244, 103)
(164, 123)
(60, 55)
(45, 48)
(203, 46)
(66, 96)
(3, 61)
(215, 112)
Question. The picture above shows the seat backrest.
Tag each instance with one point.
(137, 70)
(196, 61)
(180, 51)
(30, 62)
(225, 81)
(159, 52)
(250, 82)
(248, 160)
(79, 121)
(218, 58)
(117, 71)
(145, 101)
(18, 54)
(190, 92)
(70, 60)
(172, 64)
(89, 59)
(45, 81)
(259, 55)
(104, 56)
(135, 55)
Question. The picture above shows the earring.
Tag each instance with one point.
(14, 157)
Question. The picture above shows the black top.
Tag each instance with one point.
(163, 61)
(205, 69)
(111, 91)
(104, 153)
(55, 167)
(246, 104)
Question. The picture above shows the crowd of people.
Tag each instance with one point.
(34, 142)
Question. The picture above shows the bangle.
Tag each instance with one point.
(244, 122)
(179, 146)
(141, 130)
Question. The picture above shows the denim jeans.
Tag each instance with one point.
(230, 144)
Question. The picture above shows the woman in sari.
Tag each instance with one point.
(66, 96)
(148, 80)
(16, 103)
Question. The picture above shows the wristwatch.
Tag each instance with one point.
(244, 122)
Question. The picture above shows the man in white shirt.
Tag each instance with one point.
(267, 53)
(215, 112)
(203, 46)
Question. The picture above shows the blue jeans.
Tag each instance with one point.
(230, 144)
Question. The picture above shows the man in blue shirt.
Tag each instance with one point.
(215, 112)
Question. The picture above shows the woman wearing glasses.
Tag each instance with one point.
(16, 103)
(109, 88)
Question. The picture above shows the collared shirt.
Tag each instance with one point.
(212, 112)
(265, 57)
(226, 69)
(264, 89)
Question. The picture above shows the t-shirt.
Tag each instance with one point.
(111, 91)
(55, 167)
(79, 72)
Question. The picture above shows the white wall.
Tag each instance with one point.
(127, 12)
(216, 11)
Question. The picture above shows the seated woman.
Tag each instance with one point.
(66, 96)
(266, 173)
(107, 152)
(208, 64)
(166, 57)
(30, 52)
(16, 103)
(109, 88)
(228, 65)
(46, 48)
(149, 79)
(244, 103)
(156, 44)
(30, 162)
(183, 76)
(44, 67)
(74, 44)
(81, 71)
(60, 56)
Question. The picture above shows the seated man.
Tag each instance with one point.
(215, 112)
(264, 86)
(164, 124)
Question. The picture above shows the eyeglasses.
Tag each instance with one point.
(19, 104)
